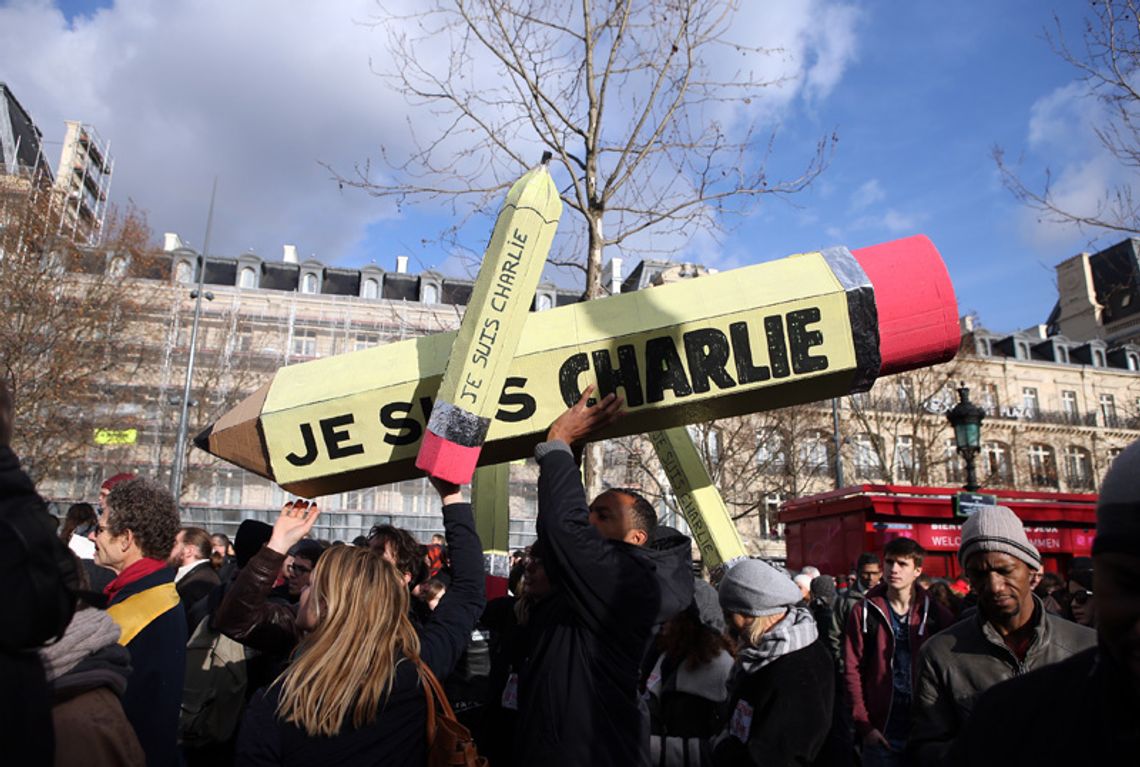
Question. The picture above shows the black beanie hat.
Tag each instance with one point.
(1118, 509)
(251, 536)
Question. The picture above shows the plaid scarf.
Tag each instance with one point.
(794, 632)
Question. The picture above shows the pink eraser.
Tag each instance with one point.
(446, 460)
(918, 312)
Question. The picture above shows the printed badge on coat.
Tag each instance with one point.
(741, 723)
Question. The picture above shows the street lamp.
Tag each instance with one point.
(966, 418)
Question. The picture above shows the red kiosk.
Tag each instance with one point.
(830, 530)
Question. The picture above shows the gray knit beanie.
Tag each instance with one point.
(997, 528)
(754, 587)
(1118, 509)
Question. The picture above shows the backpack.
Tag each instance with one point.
(213, 697)
(40, 573)
(449, 742)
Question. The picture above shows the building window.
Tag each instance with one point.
(906, 459)
(248, 278)
(989, 401)
(996, 460)
(904, 393)
(118, 268)
(707, 442)
(955, 466)
(1078, 468)
(1108, 409)
(371, 288)
(430, 294)
(813, 453)
(868, 463)
(304, 343)
(365, 341)
(1042, 466)
(183, 273)
(1069, 406)
(770, 455)
(1029, 402)
(1098, 358)
(1062, 354)
(309, 283)
(543, 302)
(227, 488)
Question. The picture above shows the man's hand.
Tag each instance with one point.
(295, 522)
(581, 421)
(875, 738)
(6, 415)
(448, 491)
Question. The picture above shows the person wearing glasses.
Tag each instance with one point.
(300, 568)
(133, 537)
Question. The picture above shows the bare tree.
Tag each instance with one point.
(898, 430)
(655, 133)
(1109, 65)
(781, 453)
(69, 335)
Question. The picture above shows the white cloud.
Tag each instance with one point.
(868, 193)
(260, 92)
(1061, 136)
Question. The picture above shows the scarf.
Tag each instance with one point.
(135, 572)
(89, 630)
(794, 632)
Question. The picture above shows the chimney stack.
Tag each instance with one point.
(171, 241)
(401, 264)
(291, 254)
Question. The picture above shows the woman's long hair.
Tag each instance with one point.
(348, 663)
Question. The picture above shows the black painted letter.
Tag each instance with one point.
(800, 341)
(663, 370)
(310, 448)
(707, 353)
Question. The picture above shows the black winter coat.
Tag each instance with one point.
(781, 713)
(578, 693)
(153, 700)
(25, 708)
(1101, 717)
(398, 735)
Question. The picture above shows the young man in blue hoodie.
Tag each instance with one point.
(616, 576)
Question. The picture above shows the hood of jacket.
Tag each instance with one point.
(89, 631)
(670, 554)
(109, 666)
(920, 602)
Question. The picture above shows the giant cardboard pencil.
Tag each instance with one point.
(800, 329)
(490, 500)
(697, 497)
(468, 396)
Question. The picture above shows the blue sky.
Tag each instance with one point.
(260, 93)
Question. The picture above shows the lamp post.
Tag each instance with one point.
(183, 417)
(966, 418)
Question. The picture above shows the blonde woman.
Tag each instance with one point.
(352, 694)
(782, 686)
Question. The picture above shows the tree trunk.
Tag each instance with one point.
(592, 456)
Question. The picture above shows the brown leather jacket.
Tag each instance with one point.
(960, 663)
(246, 615)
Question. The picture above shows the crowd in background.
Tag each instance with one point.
(151, 643)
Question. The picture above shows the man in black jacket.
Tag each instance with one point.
(616, 578)
(1100, 687)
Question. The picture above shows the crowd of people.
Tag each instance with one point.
(140, 641)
